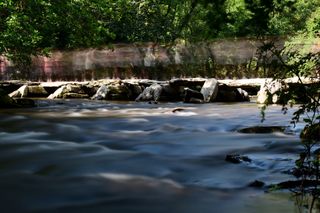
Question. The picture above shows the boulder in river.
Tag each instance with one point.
(269, 92)
(31, 91)
(37, 91)
(236, 158)
(231, 94)
(20, 93)
(187, 82)
(101, 94)
(192, 96)
(69, 91)
(262, 129)
(151, 93)
(257, 184)
(171, 93)
(117, 90)
(209, 90)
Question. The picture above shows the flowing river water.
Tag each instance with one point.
(86, 156)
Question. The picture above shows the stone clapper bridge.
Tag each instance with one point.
(189, 90)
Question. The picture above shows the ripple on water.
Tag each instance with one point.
(137, 120)
(140, 181)
(16, 137)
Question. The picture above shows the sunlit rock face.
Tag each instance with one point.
(220, 59)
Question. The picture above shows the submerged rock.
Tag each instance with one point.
(236, 158)
(178, 109)
(25, 102)
(262, 129)
(257, 184)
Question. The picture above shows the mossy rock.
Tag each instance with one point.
(118, 92)
(311, 132)
(37, 91)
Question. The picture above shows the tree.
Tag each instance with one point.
(301, 58)
(34, 27)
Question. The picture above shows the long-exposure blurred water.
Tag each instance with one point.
(85, 156)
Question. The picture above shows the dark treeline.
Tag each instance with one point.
(35, 27)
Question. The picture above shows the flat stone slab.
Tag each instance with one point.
(209, 90)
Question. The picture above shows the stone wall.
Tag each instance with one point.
(233, 58)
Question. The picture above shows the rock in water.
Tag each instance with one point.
(20, 93)
(209, 90)
(101, 93)
(192, 96)
(243, 95)
(236, 158)
(69, 91)
(231, 94)
(257, 184)
(170, 93)
(262, 129)
(119, 91)
(151, 93)
(29, 91)
(58, 93)
(269, 92)
(37, 91)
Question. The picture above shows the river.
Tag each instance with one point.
(91, 156)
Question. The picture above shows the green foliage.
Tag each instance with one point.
(301, 59)
(35, 27)
(290, 16)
